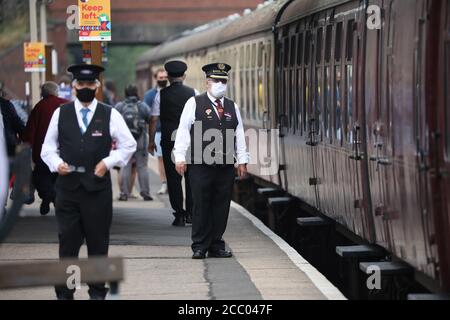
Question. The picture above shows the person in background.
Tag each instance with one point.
(155, 147)
(35, 131)
(137, 117)
(13, 125)
(109, 92)
(169, 104)
(4, 170)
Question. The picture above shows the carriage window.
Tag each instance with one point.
(350, 38)
(338, 42)
(300, 49)
(299, 101)
(338, 102)
(327, 103)
(319, 41)
(328, 43)
(292, 50)
(306, 94)
(286, 52)
(260, 54)
(318, 101)
(447, 100)
(307, 47)
(349, 100)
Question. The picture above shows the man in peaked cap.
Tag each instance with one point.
(78, 147)
(171, 101)
(211, 168)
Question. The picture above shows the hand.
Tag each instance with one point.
(63, 169)
(181, 168)
(152, 148)
(242, 171)
(101, 169)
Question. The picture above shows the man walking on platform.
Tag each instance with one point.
(212, 165)
(137, 117)
(78, 146)
(35, 131)
(172, 101)
(150, 97)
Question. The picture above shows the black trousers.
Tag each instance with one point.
(212, 189)
(174, 183)
(83, 215)
(44, 181)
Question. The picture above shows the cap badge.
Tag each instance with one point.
(221, 66)
(86, 71)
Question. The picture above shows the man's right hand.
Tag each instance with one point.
(63, 169)
(181, 168)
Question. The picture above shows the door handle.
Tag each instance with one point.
(312, 133)
(265, 120)
(357, 156)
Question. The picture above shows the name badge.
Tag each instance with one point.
(97, 134)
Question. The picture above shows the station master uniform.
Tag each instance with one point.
(81, 137)
(211, 170)
(172, 101)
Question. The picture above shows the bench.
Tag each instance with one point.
(52, 273)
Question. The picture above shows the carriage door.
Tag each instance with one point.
(442, 138)
(379, 55)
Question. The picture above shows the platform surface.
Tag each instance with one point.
(158, 262)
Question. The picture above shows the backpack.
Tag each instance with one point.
(133, 117)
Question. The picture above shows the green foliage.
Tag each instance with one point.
(121, 65)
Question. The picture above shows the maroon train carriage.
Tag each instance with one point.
(364, 108)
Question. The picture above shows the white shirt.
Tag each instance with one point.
(4, 168)
(125, 143)
(183, 137)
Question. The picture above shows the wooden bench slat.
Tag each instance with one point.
(50, 273)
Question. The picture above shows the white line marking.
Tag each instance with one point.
(319, 280)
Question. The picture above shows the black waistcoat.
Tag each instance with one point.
(173, 99)
(84, 150)
(217, 137)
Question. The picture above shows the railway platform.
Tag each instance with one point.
(157, 257)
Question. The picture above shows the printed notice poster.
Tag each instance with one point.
(34, 56)
(95, 20)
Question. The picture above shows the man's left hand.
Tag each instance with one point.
(101, 169)
(242, 171)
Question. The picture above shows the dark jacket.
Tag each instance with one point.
(14, 127)
(38, 123)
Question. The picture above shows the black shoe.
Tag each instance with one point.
(64, 296)
(199, 254)
(29, 200)
(147, 198)
(220, 254)
(45, 207)
(123, 197)
(179, 221)
(188, 218)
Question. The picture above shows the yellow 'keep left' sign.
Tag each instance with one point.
(34, 56)
(95, 20)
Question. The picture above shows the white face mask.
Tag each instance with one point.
(218, 90)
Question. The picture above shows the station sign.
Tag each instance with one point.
(95, 20)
